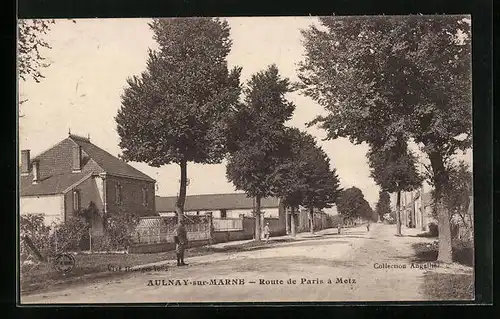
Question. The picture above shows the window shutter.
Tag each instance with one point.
(76, 200)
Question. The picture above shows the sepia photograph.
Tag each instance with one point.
(245, 159)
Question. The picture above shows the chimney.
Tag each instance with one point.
(36, 171)
(77, 158)
(25, 162)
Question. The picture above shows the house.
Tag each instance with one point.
(418, 212)
(220, 205)
(75, 172)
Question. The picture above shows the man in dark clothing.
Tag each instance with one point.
(180, 239)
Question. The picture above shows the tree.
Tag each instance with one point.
(458, 197)
(177, 110)
(31, 40)
(382, 79)
(384, 204)
(322, 183)
(305, 178)
(258, 141)
(394, 171)
(367, 212)
(352, 204)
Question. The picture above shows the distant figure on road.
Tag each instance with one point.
(339, 228)
(368, 226)
(267, 232)
(180, 239)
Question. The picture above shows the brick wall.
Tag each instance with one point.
(131, 196)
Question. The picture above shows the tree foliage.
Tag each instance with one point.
(31, 41)
(176, 111)
(457, 196)
(393, 79)
(394, 170)
(352, 204)
(383, 206)
(258, 136)
(306, 178)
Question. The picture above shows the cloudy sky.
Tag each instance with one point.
(92, 58)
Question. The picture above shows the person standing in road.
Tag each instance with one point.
(368, 226)
(339, 228)
(180, 238)
(267, 232)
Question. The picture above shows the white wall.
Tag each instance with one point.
(51, 206)
(231, 213)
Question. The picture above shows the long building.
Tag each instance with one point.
(220, 205)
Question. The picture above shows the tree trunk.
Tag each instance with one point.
(311, 219)
(287, 227)
(257, 219)
(181, 199)
(398, 214)
(293, 230)
(422, 208)
(441, 182)
(413, 213)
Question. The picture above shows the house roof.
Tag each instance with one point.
(109, 163)
(55, 167)
(213, 202)
(50, 185)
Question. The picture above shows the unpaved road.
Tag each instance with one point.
(326, 267)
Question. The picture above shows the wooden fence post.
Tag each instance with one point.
(33, 248)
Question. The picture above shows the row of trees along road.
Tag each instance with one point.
(352, 204)
(381, 79)
(269, 159)
(185, 107)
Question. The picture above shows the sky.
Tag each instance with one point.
(91, 59)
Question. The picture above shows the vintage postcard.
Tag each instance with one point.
(245, 159)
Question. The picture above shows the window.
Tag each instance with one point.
(118, 193)
(76, 200)
(145, 196)
(223, 213)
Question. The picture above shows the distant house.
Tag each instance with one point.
(220, 205)
(75, 172)
(420, 218)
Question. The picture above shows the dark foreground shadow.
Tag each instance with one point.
(426, 252)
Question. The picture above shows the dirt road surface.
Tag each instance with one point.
(352, 266)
